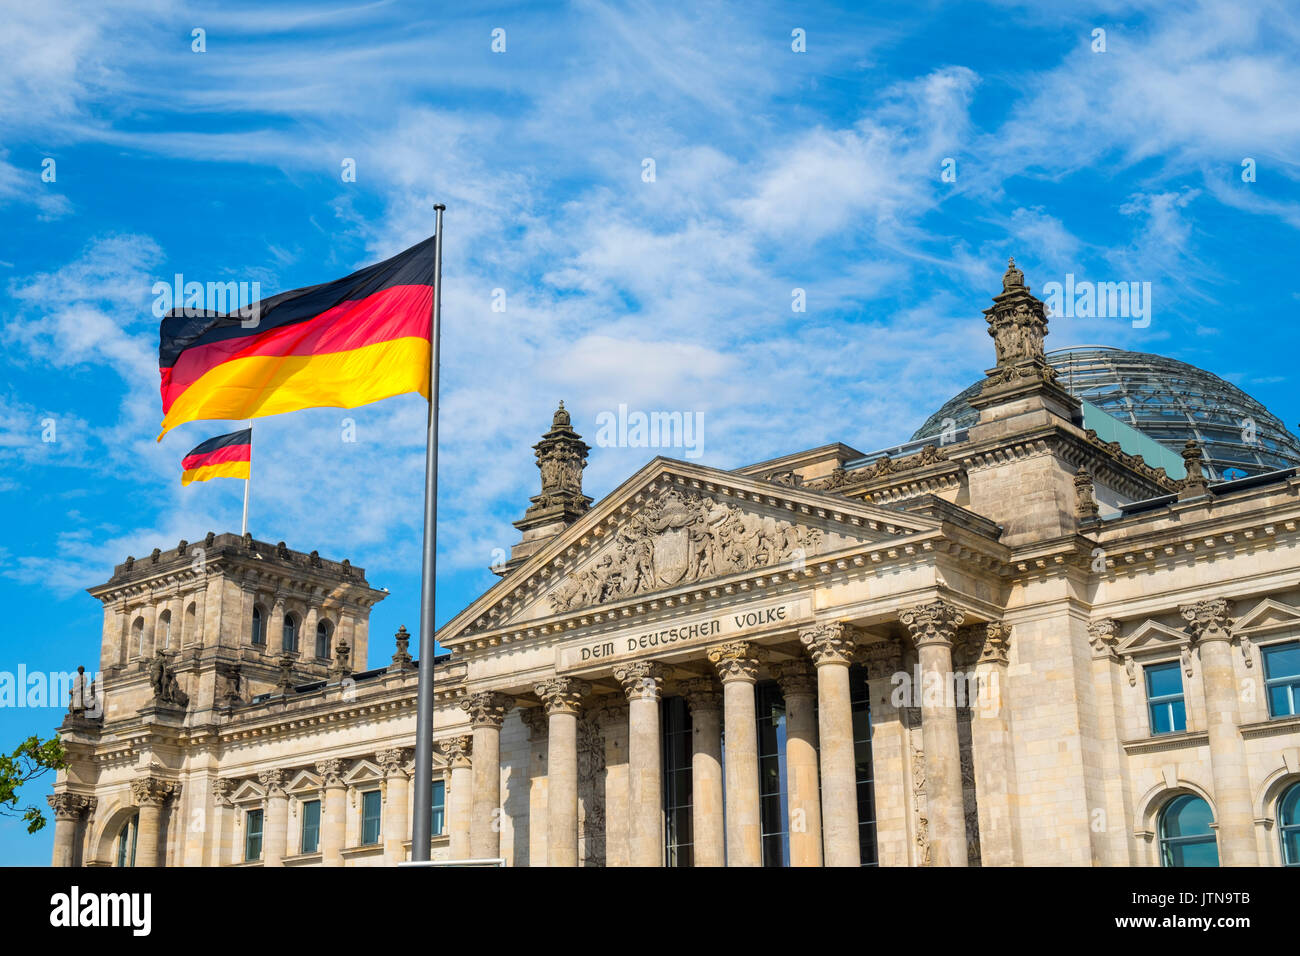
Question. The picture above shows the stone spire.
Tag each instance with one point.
(561, 457)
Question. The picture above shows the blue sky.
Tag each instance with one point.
(774, 170)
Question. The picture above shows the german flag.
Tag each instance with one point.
(226, 456)
(339, 345)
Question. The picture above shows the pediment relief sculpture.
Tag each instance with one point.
(680, 538)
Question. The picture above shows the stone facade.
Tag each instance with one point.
(1020, 579)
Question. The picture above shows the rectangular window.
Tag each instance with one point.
(1282, 678)
(860, 702)
(774, 808)
(1165, 698)
(311, 826)
(439, 807)
(371, 809)
(253, 835)
(676, 736)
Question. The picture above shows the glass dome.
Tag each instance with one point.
(1168, 400)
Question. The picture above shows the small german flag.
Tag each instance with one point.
(226, 456)
(339, 345)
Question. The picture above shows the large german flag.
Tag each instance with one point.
(342, 344)
(226, 456)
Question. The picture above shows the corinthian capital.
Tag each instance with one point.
(933, 623)
(797, 678)
(457, 750)
(641, 680)
(735, 660)
(68, 806)
(992, 642)
(1209, 620)
(882, 659)
(1104, 635)
(486, 708)
(331, 771)
(702, 695)
(393, 761)
(562, 695)
(151, 790)
(272, 782)
(222, 788)
(831, 643)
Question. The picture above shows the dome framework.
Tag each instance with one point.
(1168, 400)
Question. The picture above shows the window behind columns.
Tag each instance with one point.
(861, 699)
(775, 808)
(676, 724)
(126, 840)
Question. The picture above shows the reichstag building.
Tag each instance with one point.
(1059, 625)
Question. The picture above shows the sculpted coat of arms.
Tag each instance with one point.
(681, 538)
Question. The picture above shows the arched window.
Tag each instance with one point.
(126, 839)
(259, 626)
(137, 636)
(188, 625)
(323, 639)
(165, 627)
(1186, 838)
(290, 642)
(1288, 825)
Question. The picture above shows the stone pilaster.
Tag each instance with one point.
(643, 685)
(219, 844)
(890, 751)
(562, 698)
(737, 664)
(150, 793)
(612, 716)
(798, 680)
(487, 711)
(704, 698)
(1211, 627)
(933, 627)
(1113, 847)
(535, 719)
(459, 794)
(831, 647)
(397, 790)
(275, 835)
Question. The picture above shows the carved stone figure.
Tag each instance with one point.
(680, 538)
(162, 678)
(1017, 321)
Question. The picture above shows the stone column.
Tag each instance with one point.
(459, 795)
(737, 665)
(643, 684)
(69, 808)
(708, 833)
(798, 683)
(933, 627)
(275, 832)
(150, 794)
(831, 647)
(562, 697)
(397, 828)
(1211, 627)
(487, 710)
(612, 714)
(535, 720)
(890, 749)
(333, 811)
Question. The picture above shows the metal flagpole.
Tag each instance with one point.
(422, 825)
(243, 530)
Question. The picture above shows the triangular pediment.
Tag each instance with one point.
(1152, 636)
(248, 791)
(304, 780)
(673, 526)
(1267, 617)
(363, 771)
